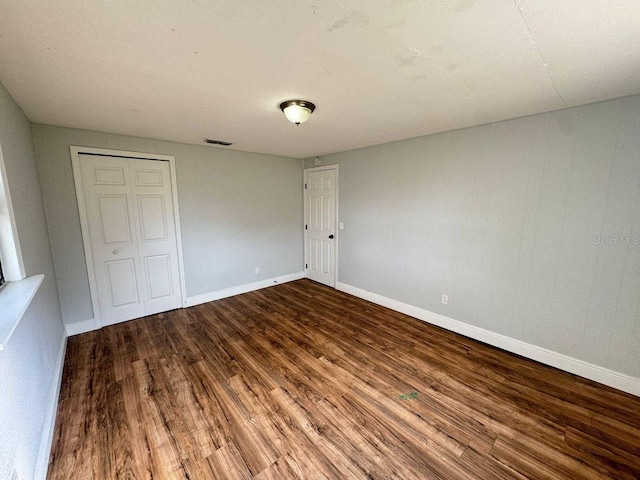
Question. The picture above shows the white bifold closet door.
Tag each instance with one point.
(129, 206)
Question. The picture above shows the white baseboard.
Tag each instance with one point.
(81, 327)
(584, 369)
(248, 287)
(90, 325)
(46, 439)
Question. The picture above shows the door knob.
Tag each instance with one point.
(115, 252)
(330, 236)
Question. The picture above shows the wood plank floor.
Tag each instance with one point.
(301, 381)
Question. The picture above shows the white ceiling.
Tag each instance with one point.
(378, 70)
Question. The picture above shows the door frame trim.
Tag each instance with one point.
(76, 151)
(336, 218)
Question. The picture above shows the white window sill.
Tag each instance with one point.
(15, 298)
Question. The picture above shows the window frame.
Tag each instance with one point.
(10, 252)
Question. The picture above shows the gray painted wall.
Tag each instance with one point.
(28, 363)
(238, 211)
(515, 221)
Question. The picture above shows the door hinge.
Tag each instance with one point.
(305, 186)
(306, 227)
(306, 265)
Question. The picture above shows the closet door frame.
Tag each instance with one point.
(84, 222)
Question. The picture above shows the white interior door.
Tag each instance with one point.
(130, 215)
(320, 226)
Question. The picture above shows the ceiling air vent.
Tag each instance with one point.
(218, 142)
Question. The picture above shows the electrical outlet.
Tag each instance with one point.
(341, 225)
(445, 299)
(257, 271)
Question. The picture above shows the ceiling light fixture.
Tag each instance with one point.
(297, 111)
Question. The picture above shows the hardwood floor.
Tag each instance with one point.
(301, 381)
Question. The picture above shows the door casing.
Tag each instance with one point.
(336, 217)
(84, 223)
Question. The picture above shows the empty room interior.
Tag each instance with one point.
(381, 239)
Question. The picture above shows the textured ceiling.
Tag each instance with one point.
(378, 71)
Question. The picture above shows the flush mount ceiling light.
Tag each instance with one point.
(297, 111)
